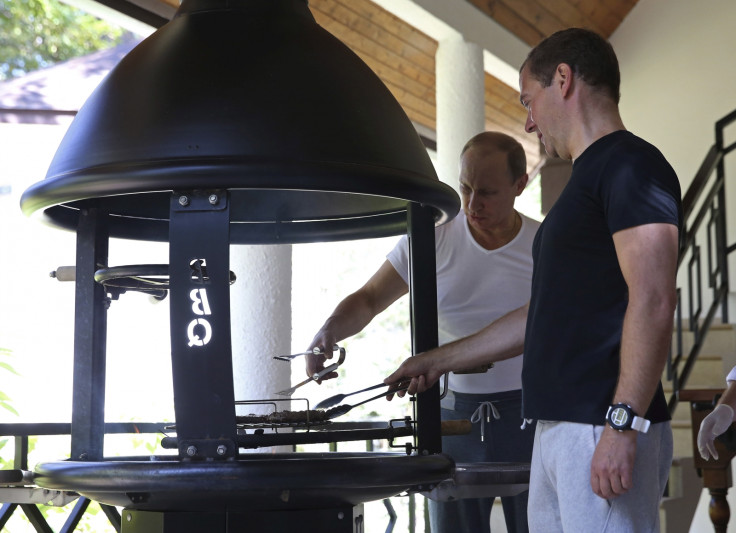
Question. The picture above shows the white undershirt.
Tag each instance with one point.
(476, 286)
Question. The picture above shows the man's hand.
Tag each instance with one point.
(354, 313)
(499, 340)
(316, 362)
(611, 471)
(713, 425)
(422, 369)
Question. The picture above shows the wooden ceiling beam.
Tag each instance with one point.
(388, 65)
(510, 20)
(599, 12)
(408, 45)
(619, 8)
(389, 23)
(570, 15)
(545, 21)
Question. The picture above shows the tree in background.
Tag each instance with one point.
(38, 33)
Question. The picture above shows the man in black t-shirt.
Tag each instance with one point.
(597, 329)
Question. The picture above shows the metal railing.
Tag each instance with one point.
(22, 495)
(705, 270)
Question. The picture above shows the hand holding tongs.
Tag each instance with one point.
(318, 375)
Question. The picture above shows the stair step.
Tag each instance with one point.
(707, 373)
(682, 413)
(720, 340)
(682, 439)
(717, 357)
(684, 489)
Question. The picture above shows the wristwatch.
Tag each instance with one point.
(621, 417)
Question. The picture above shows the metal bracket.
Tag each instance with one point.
(207, 448)
(36, 496)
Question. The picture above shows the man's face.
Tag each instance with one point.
(539, 118)
(486, 188)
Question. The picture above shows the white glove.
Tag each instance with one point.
(713, 425)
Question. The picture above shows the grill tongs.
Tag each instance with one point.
(317, 375)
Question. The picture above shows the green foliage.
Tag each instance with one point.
(152, 443)
(38, 33)
(5, 403)
(5, 462)
(5, 366)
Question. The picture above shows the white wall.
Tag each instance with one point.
(678, 75)
(678, 78)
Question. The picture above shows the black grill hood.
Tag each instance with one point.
(254, 97)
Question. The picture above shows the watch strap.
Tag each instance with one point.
(640, 424)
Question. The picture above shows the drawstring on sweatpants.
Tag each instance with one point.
(483, 414)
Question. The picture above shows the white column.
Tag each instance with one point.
(260, 302)
(460, 81)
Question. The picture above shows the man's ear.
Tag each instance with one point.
(521, 184)
(564, 79)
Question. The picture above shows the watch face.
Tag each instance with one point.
(619, 417)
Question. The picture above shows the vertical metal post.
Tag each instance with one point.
(201, 348)
(423, 291)
(721, 246)
(20, 460)
(412, 513)
(90, 337)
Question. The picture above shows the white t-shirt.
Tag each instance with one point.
(731, 375)
(476, 286)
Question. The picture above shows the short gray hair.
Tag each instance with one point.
(495, 140)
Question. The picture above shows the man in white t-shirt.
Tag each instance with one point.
(484, 270)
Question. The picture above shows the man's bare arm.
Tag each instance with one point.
(648, 258)
(355, 312)
(502, 339)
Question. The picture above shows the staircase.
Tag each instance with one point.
(703, 265)
(704, 344)
(717, 357)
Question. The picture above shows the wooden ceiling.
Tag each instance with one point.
(403, 57)
(533, 20)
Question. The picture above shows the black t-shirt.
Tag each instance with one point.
(579, 296)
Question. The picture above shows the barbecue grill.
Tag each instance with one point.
(238, 122)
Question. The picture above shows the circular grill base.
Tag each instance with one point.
(254, 481)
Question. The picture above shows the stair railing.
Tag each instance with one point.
(704, 224)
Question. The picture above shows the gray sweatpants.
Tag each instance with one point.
(560, 496)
